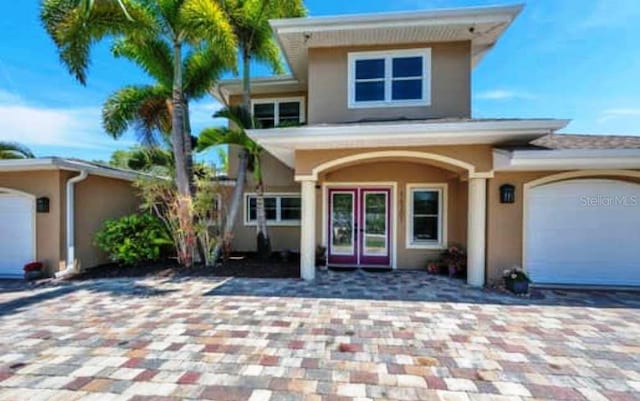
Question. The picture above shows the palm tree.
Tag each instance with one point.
(249, 20)
(176, 25)
(151, 159)
(13, 150)
(147, 109)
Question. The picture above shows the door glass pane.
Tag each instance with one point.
(264, 113)
(370, 69)
(407, 89)
(342, 223)
(369, 91)
(407, 67)
(290, 209)
(375, 229)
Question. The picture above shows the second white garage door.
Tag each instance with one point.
(583, 232)
(17, 246)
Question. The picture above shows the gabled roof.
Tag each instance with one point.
(57, 163)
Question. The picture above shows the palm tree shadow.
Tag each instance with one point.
(117, 289)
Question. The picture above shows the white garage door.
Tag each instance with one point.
(16, 234)
(583, 232)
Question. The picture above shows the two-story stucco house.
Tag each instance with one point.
(386, 165)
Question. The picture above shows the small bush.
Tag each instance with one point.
(133, 239)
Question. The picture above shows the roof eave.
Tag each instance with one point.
(565, 159)
(68, 165)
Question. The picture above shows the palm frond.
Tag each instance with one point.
(152, 54)
(142, 108)
(13, 150)
(74, 27)
(205, 21)
(237, 115)
(203, 67)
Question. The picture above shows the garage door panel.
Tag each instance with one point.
(584, 232)
(16, 233)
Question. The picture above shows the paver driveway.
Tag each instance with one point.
(404, 336)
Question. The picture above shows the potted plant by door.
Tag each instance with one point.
(455, 258)
(516, 280)
(33, 271)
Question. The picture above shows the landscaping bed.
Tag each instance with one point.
(238, 265)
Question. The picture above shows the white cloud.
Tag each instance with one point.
(33, 125)
(201, 113)
(503, 94)
(618, 113)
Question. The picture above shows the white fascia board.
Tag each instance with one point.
(563, 159)
(66, 164)
(384, 20)
(401, 131)
(282, 142)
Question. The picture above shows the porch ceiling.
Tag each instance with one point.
(283, 142)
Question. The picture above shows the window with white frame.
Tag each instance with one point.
(426, 216)
(390, 78)
(280, 209)
(270, 113)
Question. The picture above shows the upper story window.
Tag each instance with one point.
(270, 113)
(390, 78)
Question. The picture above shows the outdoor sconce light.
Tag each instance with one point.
(507, 193)
(42, 205)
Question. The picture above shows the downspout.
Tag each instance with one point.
(70, 222)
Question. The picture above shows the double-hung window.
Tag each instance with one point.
(270, 113)
(280, 209)
(426, 210)
(390, 78)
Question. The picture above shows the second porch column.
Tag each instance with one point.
(476, 231)
(308, 230)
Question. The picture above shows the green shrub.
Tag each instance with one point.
(134, 239)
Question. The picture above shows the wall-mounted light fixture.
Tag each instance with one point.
(42, 204)
(507, 193)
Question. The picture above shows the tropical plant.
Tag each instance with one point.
(249, 20)
(13, 150)
(176, 29)
(150, 159)
(234, 134)
(133, 239)
(161, 197)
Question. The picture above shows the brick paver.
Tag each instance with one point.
(347, 336)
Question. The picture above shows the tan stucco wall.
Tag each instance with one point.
(480, 156)
(450, 84)
(505, 221)
(403, 173)
(99, 199)
(39, 184)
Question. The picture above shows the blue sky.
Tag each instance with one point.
(573, 59)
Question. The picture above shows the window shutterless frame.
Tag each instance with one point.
(441, 188)
(388, 56)
(278, 221)
(276, 106)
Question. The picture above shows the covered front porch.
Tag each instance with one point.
(393, 209)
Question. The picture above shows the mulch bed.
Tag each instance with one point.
(238, 265)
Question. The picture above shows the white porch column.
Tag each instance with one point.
(476, 231)
(308, 230)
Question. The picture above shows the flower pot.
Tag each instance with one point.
(32, 275)
(517, 287)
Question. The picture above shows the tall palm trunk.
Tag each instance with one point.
(179, 152)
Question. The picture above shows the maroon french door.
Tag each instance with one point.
(359, 226)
